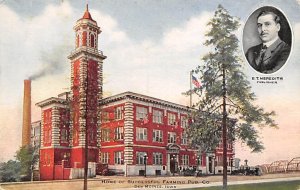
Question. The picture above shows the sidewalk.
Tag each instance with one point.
(219, 183)
(138, 182)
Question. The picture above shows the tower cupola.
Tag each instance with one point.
(87, 31)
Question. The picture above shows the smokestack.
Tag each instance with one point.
(26, 130)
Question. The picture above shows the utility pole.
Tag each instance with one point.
(224, 129)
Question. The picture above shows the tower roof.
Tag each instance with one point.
(87, 14)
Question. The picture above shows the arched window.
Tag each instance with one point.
(77, 40)
(84, 37)
(92, 40)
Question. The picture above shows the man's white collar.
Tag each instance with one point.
(270, 42)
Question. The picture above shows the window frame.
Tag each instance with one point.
(185, 159)
(157, 158)
(119, 133)
(141, 113)
(184, 121)
(118, 114)
(105, 135)
(118, 157)
(141, 131)
(157, 134)
(140, 159)
(171, 135)
(171, 119)
(105, 157)
(157, 116)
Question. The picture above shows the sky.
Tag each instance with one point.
(151, 46)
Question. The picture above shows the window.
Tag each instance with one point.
(157, 158)
(140, 156)
(64, 135)
(141, 134)
(199, 160)
(157, 136)
(184, 122)
(171, 137)
(47, 137)
(185, 160)
(171, 119)
(141, 113)
(84, 36)
(118, 133)
(92, 40)
(77, 40)
(118, 157)
(105, 135)
(157, 116)
(105, 117)
(183, 138)
(105, 157)
(118, 113)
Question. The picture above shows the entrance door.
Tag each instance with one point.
(210, 163)
(173, 163)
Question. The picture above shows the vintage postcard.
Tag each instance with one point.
(149, 94)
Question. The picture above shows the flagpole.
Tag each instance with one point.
(191, 72)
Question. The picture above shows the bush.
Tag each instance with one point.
(10, 171)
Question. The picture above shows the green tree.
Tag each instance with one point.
(27, 156)
(226, 109)
(10, 171)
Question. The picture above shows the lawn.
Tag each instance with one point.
(289, 185)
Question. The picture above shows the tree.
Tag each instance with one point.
(226, 109)
(10, 171)
(27, 157)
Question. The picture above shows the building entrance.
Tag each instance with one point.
(173, 163)
(210, 165)
(172, 158)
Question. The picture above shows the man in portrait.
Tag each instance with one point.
(272, 53)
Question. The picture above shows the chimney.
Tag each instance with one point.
(26, 130)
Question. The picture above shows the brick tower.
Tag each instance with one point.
(86, 90)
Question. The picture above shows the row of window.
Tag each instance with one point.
(118, 134)
(64, 135)
(141, 157)
(142, 135)
(81, 40)
(157, 117)
(142, 115)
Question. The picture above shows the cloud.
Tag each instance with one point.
(189, 36)
(149, 66)
(36, 46)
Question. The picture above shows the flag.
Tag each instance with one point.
(195, 82)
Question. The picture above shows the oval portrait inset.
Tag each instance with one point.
(267, 40)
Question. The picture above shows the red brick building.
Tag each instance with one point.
(134, 126)
(123, 130)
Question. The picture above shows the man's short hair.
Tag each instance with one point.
(275, 16)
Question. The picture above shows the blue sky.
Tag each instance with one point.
(151, 46)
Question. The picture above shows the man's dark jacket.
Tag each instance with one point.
(274, 57)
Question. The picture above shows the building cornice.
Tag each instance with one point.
(144, 98)
(82, 51)
(52, 100)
